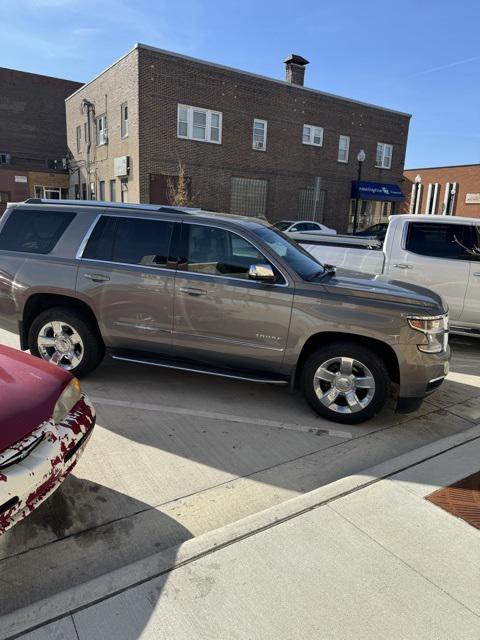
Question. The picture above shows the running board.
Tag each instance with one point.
(191, 368)
(465, 331)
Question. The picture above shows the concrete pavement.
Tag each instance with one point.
(176, 456)
(363, 558)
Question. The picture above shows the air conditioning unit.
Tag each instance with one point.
(259, 145)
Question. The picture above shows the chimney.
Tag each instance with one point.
(295, 69)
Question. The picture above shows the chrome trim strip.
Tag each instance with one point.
(240, 343)
(204, 371)
(79, 255)
(86, 238)
(436, 379)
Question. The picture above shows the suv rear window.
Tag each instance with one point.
(130, 241)
(34, 231)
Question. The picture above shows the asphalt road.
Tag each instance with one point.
(175, 455)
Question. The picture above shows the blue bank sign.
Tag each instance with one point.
(377, 191)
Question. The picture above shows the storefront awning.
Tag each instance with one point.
(377, 191)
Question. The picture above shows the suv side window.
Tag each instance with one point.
(34, 231)
(220, 252)
(440, 240)
(130, 241)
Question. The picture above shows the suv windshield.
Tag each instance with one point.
(301, 262)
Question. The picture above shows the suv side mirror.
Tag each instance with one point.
(262, 272)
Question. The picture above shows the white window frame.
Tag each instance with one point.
(208, 124)
(263, 144)
(123, 120)
(311, 140)
(340, 138)
(383, 164)
(102, 134)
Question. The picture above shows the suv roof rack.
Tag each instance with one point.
(161, 208)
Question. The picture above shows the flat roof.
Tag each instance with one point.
(40, 75)
(446, 166)
(222, 67)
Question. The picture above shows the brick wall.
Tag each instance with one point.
(466, 177)
(288, 165)
(32, 122)
(155, 82)
(108, 92)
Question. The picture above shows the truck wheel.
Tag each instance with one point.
(345, 382)
(66, 338)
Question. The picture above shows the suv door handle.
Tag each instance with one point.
(477, 273)
(96, 277)
(192, 291)
(402, 265)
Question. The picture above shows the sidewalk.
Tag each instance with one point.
(366, 557)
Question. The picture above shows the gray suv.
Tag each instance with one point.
(217, 294)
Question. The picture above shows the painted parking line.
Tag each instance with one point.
(225, 417)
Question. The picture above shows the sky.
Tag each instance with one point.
(421, 57)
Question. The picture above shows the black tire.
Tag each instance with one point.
(374, 398)
(93, 349)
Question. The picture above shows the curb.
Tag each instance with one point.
(132, 575)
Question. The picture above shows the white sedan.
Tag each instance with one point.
(303, 226)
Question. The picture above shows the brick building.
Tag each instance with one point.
(249, 144)
(33, 139)
(451, 190)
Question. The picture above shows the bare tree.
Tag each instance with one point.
(178, 188)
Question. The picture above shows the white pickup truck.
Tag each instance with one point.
(438, 252)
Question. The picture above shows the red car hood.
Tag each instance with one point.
(29, 389)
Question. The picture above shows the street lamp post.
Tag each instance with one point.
(361, 159)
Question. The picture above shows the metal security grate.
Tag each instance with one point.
(249, 197)
(461, 499)
(307, 208)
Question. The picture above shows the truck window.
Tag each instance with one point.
(439, 240)
(34, 231)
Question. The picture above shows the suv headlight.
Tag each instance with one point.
(435, 330)
(67, 400)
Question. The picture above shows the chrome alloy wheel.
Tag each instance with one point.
(344, 385)
(60, 344)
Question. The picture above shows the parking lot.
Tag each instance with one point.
(175, 455)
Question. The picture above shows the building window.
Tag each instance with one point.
(5, 158)
(432, 196)
(51, 193)
(248, 197)
(92, 191)
(449, 198)
(101, 123)
(384, 155)
(79, 138)
(113, 190)
(84, 191)
(199, 124)
(260, 135)
(343, 148)
(4, 196)
(102, 190)
(85, 132)
(312, 135)
(124, 119)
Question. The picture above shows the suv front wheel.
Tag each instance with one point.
(66, 338)
(345, 382)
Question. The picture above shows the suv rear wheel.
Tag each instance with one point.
(66, 338)
(345, 382)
